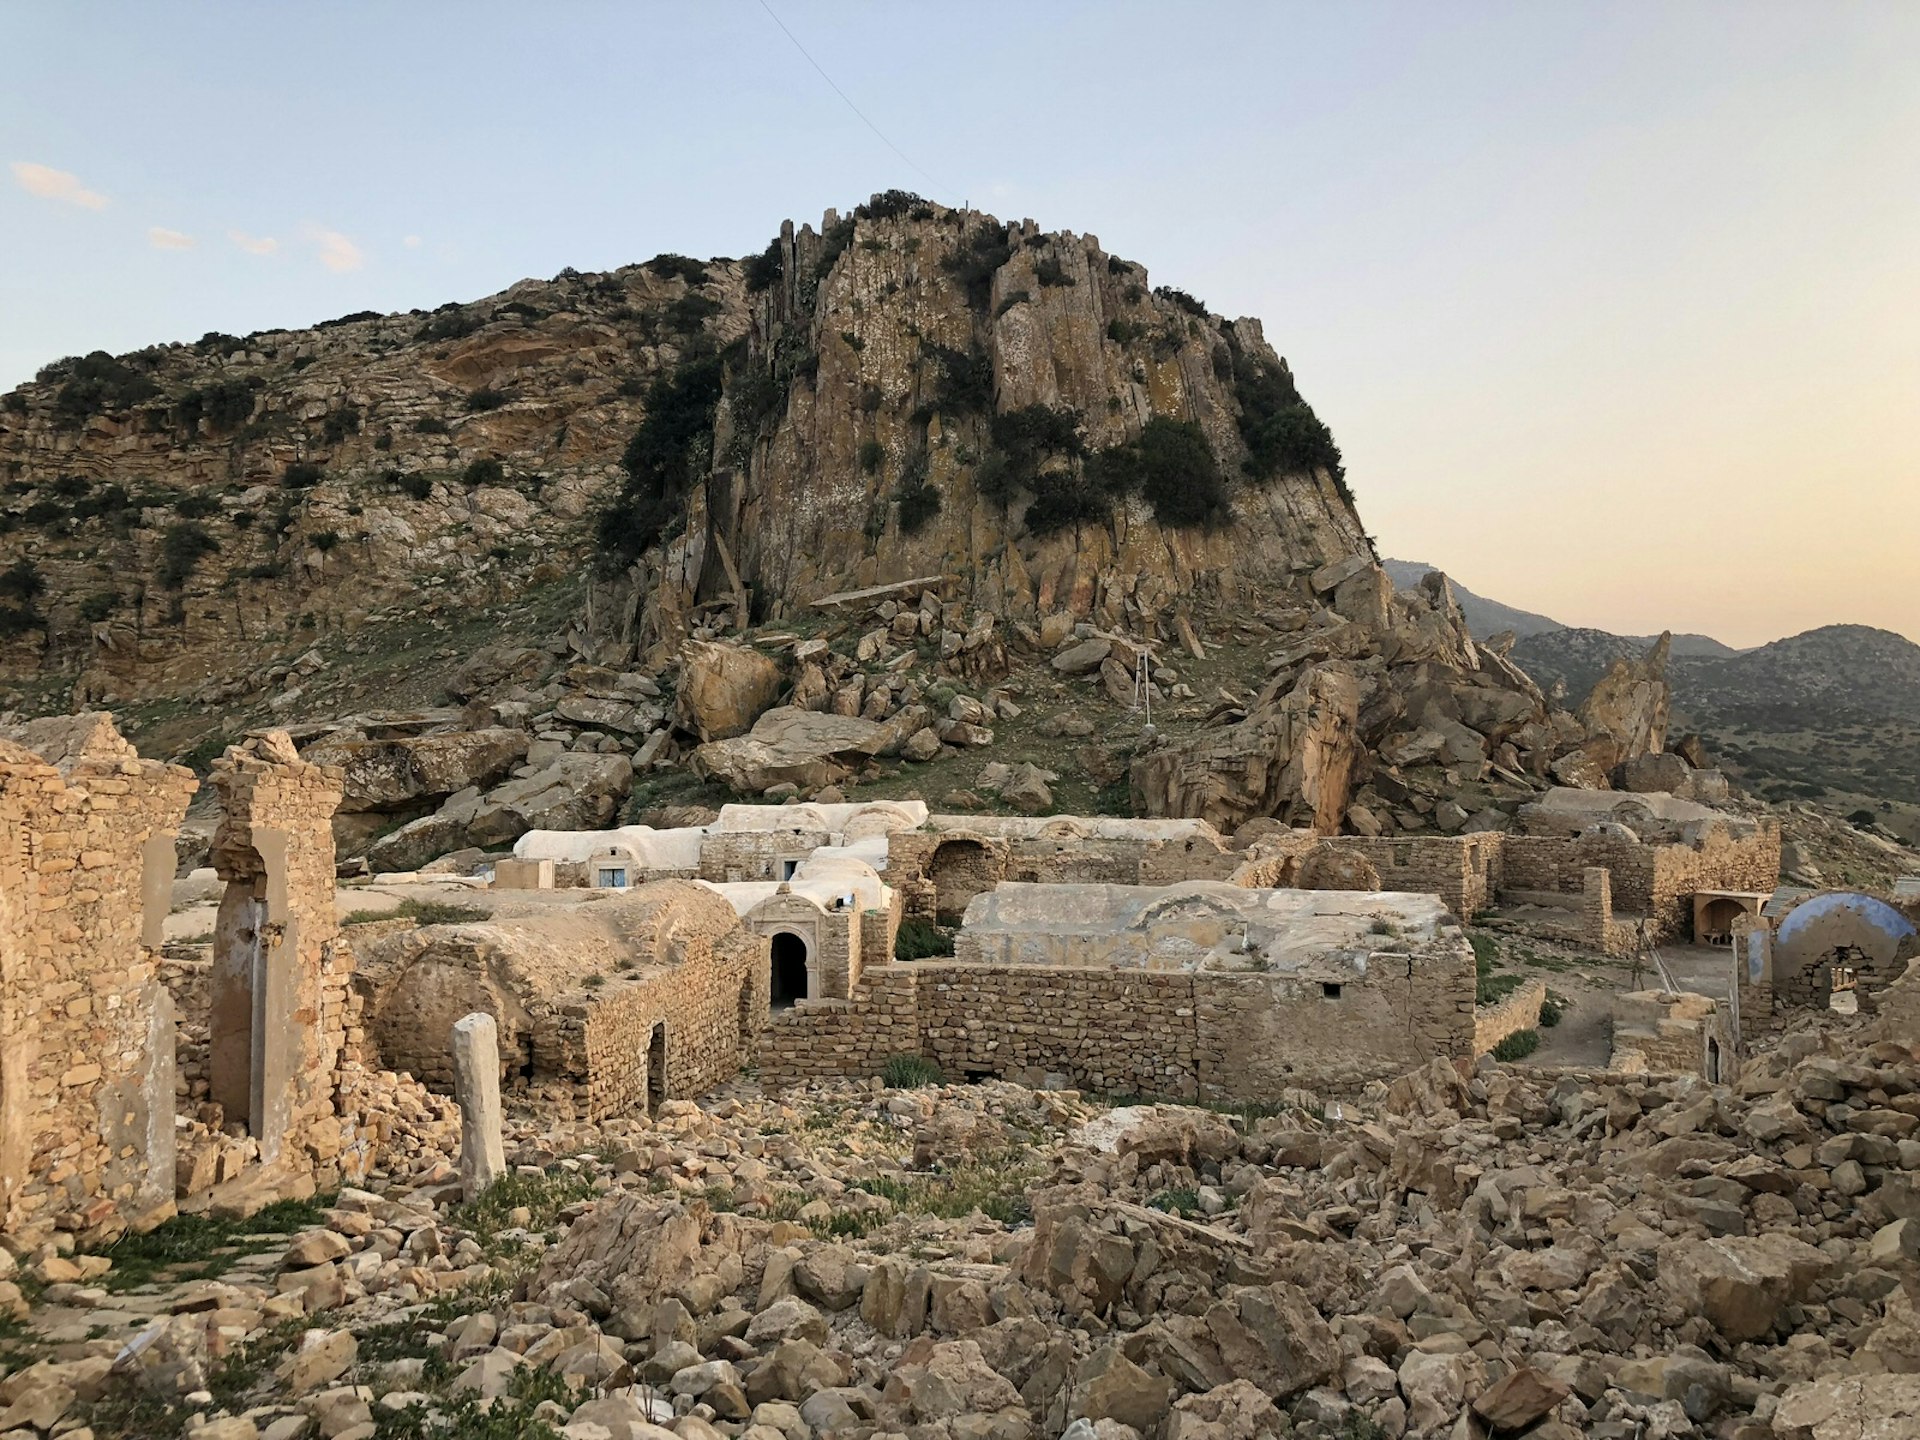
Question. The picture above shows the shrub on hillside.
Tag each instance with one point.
(181, 549)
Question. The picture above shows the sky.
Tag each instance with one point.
(1613, 308)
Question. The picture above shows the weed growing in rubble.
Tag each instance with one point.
(1517, 1046)
(910, 1072)
(197, 1247)
(1552, 1009)
(544, 1196)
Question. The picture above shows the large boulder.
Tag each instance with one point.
(427, 838)
(393, 775)
(574, 792)
(1629, 705)
(805, 748)
(724, 689)
(1292, 758)
(1741, 1283)
(1850, 1407)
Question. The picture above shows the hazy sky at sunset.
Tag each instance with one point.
(1614, 308)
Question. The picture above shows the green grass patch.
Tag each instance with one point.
(544, 1195)
(1552, 1010)
(198, 1247)
(1183, 1201)
(921, 940)
(996, 1186)
(1492, 989)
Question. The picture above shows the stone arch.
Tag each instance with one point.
(1864, 939)
(960, 869)
(1335, 867)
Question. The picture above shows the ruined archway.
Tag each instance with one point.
(958, 871)
(1841, 942)
(789, 982)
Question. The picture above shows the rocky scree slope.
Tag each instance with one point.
(1521, 1253)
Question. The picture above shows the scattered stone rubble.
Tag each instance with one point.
(1543, 1254)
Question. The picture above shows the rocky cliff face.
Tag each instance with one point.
(178, 515)
(931, 392)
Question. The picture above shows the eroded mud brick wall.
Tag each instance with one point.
(86, 1036)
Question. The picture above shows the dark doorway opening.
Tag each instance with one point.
(656, 1067)
(1713, 1061)
(789, 970)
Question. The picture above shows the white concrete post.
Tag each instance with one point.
(476, 1086)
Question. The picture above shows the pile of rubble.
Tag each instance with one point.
(1524, 1253)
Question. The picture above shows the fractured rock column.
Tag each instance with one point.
(476, 1086)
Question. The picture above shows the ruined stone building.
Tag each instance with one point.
(1587, 866)
(605, 1007)
(745, 842)
(89, 1136)
(1197, 990)
(86, 1048)
(823, 925)
(1817, 947)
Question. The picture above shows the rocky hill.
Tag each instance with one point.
(188, 513)
(1853, 672)
(931, 466)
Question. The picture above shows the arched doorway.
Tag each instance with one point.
(789, 979)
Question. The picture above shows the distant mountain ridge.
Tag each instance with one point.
(1852, 671)
(1489, 617)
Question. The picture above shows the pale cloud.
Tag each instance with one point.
(51, 184)
(162, 238)
(254, 244)
(338, 253)
(413, 242)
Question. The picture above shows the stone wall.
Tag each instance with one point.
(1464, 870)
(1217, 1036)
(753, 854)
(86, 1045)
(1520, 1010)
(1674, 1032)
(669, 1035)
(1652, 880)
(940, 871)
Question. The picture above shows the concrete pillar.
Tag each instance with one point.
(476, 1086)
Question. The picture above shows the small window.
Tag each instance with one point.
(612, 878)
(1329, 990)
(787, 867)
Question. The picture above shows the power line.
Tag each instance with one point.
(849, 100)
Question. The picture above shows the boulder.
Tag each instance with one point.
(1629, 705)
(1741, 1283)
(575, 792)
(724, 689)
(1850, 1407)
(389, 775)
(805, 748)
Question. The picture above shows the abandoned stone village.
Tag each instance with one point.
(913, 943)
